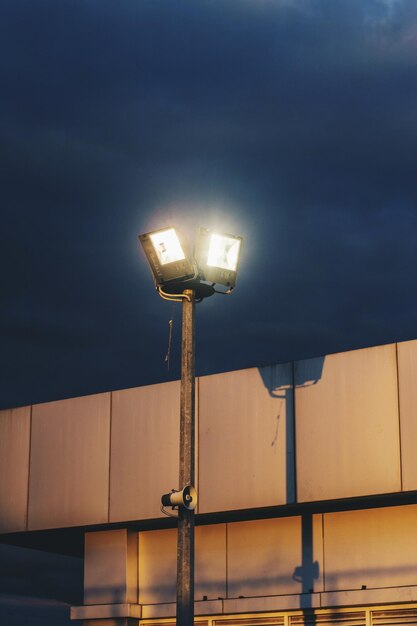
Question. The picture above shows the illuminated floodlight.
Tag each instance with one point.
(167, 255)
(167, 246)
(223, 252)
(217, 256)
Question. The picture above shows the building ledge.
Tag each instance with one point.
(258, 604)
(103, 611)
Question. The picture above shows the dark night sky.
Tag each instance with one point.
(292, 123)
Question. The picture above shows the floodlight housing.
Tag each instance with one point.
(217, 256)
(168, 257)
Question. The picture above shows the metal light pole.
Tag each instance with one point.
(180, 277)
(185, 545)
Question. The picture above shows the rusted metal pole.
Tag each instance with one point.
(185, 545)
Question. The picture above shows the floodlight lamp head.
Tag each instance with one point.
(168, 257)
(217, 256)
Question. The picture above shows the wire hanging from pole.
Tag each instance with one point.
(171, 324)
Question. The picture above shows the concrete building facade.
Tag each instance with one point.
(307, 482)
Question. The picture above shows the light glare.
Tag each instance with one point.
(167, 246)
(223, 252)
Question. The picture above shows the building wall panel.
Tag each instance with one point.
(275, 556)
(407, 379)
(14, 468)
(245, 423)
(144, 450)
(348, 435)
(210, 562)
(69, 462)
(158, 564)
(111, 567)
(372, 548)
(347, 425)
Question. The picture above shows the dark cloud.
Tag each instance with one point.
(292, 123)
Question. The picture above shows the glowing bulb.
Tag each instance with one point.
(223, 252)
(167, 246)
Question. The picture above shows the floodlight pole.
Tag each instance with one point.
(185, 544)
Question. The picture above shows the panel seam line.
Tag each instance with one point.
(399, 415)
(29, 465)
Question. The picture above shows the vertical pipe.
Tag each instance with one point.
(185, 544)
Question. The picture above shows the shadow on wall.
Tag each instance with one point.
(281, 382)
